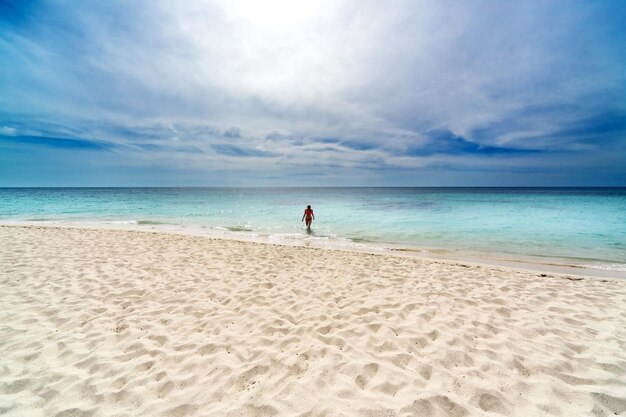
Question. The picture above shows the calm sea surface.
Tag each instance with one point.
(585, 226)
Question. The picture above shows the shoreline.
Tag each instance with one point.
(550, 265)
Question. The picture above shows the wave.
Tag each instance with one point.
(607, 267)
(149, 222)
(238, 229)
(361, 240)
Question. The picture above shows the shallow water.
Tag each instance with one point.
(582, 226)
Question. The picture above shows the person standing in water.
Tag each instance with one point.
(309, 216)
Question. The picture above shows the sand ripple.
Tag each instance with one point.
(120, 323)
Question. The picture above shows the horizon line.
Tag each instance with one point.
(311, 187)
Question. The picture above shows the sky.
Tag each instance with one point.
(313, 93)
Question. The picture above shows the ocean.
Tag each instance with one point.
(576, 226)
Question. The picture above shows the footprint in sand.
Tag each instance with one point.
(366, 376)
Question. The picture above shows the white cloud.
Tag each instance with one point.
(195, 74)
(8, 131)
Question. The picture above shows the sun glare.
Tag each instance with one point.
(275, 14)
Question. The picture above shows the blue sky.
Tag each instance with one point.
(288, 93)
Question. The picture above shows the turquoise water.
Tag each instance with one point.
(584, 225)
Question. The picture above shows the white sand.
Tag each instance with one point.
(124, 323)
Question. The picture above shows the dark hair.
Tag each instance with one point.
(308, 207)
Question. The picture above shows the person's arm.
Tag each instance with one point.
(303, 216)
(312, 214)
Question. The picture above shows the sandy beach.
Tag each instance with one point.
(127, 323)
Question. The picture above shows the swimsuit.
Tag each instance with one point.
(308, 215)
